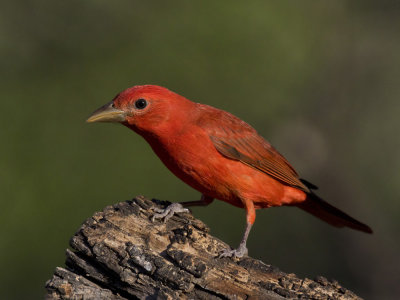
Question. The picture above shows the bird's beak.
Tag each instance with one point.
(107, 113)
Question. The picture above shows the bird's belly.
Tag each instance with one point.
(217, 176)
(204, 175)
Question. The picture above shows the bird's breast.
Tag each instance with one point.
(192, 157)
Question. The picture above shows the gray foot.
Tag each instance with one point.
(239, 252)
(168, 212)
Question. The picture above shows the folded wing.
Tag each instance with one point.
(237, 140)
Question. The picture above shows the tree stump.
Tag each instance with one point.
(120, 253)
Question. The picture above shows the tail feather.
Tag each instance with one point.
(330, 214)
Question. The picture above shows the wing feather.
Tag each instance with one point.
(237, 140)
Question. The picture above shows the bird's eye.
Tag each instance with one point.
(140, 103)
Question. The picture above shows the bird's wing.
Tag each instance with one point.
(237, 140)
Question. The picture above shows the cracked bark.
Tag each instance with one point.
(120, 254)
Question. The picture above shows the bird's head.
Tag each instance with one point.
(144, 108)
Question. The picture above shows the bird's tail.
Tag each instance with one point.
(330, 214)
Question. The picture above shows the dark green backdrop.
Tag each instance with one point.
(320, 80)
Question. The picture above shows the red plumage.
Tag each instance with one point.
(217, 154)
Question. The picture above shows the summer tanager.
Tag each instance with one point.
(217, 154)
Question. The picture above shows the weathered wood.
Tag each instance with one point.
(120, 254)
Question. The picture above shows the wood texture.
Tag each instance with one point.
(120, 254)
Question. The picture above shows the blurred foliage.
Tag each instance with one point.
(320, 80)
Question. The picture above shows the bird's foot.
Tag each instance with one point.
(168, 212)
(239, 252)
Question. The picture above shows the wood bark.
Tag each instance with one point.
(120, 253)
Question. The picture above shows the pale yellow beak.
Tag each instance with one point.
(107, 113)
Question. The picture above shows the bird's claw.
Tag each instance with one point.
(168, 212)
(235, 253)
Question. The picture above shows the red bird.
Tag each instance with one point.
(217, 154)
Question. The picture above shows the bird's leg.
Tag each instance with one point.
(242, 249)
(204, 201)
(179, 207)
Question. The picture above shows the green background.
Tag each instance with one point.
(319, 80)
